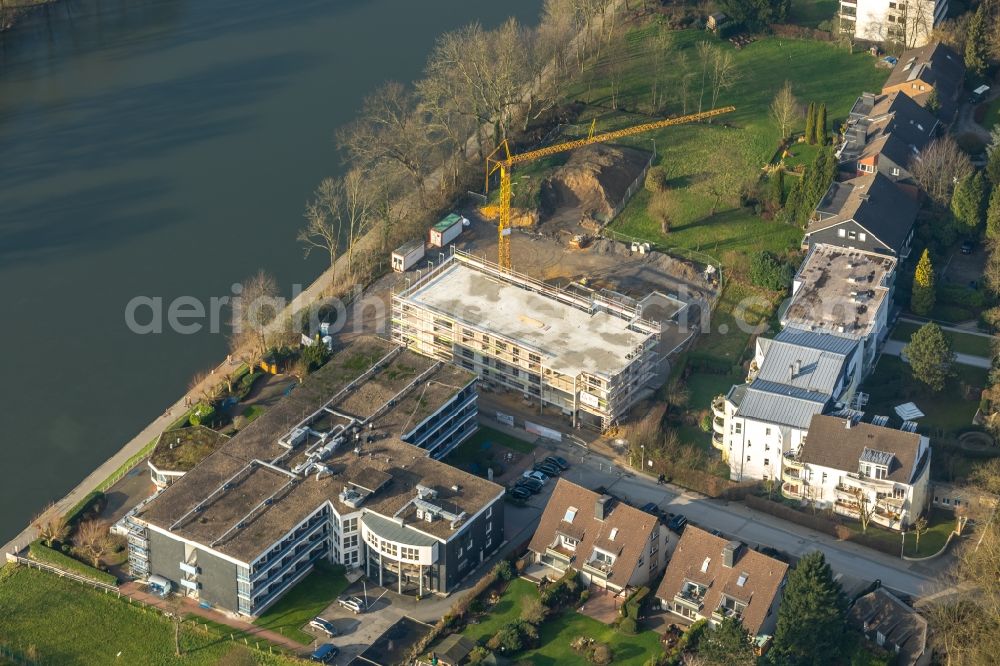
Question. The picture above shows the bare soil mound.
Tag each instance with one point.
(588, 187)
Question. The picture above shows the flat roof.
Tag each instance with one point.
(254, 470)
(569, 339)
(448, 222)
(181, 449)
(839, 290)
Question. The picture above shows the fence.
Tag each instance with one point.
(636, 184)
(62, 573)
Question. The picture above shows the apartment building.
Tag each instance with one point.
(611, 544)
(906, 22)
(586, 354)
(344, 469)
(855, 467)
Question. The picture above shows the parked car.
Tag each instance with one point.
(520, 493)
(536, 475)
(533, 486)
(324, 626)
(968, 246)
(677, 523)
(353, 604)
(650, 507)
(547, 469)
(324, 654)
(558, 461)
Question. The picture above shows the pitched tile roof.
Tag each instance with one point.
(880, 612)
(933, 63)
(699, 558)
(832, 444)
(634, 528)
(875, 203)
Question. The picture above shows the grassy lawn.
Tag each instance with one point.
(963, 343)
(810, 13)
(479, 447)
(67, 623)
(557, 632)
(892, 384)
(800, 155)
(939, 526)
(699, 156)
(506, 610)
(992, 116)
(252, 412)
(304, 602)
(741, 307)
(703, 387)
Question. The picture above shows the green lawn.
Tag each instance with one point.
(479, 447)
(741, 309)
(940, 525)
(948, 411)
(800, 155)
(505, 610)
(556, 633)
(700, 157)
(992, 116)
(252, 412)
(810, 13)
(703, 387)
(67, 623)
(304, 602)
(962, 343)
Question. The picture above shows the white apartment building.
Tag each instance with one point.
(854, 467)
(793, 377)
(906, 22)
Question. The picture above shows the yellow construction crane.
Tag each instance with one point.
(501, 160)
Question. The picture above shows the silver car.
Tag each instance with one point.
(353, 604)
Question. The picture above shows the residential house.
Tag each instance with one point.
(892, 625)
(792, 377)
(927, 68)
(857, 468)
(712, 578)
(885, 134)
(963, 500)
(611, 544)
(868, 213)
(846, 292)
(906, 22)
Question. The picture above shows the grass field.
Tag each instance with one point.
(699, 157)
(948, 411)
(742, 309)
(556, 633)
(940, 524)
(304, 602)
(810, 13)
(67, 623)
(962, 343)
(479, 447)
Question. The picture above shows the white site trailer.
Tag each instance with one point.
(447, 230)
(404, 257)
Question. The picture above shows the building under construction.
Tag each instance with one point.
(585, 353)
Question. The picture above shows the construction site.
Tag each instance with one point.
(541, 305)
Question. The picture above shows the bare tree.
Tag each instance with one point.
(658, 50)
(724, 73)
(940, 165)
(50, 525)
(253, 315)
(616, 65)
(953, 31)
(785, 110)
(919, 527)
(93, 540)
(865, 506)
(324, 222)
(706, 53)
(683, 76)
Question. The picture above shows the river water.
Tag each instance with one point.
(163, 148)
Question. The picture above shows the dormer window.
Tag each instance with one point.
(569, 543)
(704, 565)
(570, 514)
(614, 533)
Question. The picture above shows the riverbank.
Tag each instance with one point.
(10, 13)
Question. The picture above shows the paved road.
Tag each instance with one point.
(895, 348)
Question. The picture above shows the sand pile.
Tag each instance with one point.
(593, 181)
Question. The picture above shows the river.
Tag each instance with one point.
(163, 148)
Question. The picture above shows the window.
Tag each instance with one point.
(351, 525)
(408, 553)
(880, 472)
(767, 431)
(704, 565)
(739, 428)
(852, 234)
(862, 236)
(570, 514)
(489, 511)
(605, 558)
(748, 458)
(351, 541)
(899, 492)
(767, 462)
(824, 477)
(892, 5)
(841, 233)
(568, 542)
(614, 533)
(767, 447)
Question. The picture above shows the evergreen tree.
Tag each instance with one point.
(821, 130)
(810, 122)
(776, 188)
(930, 356)
(933, 103)
(727, 644)
(993, 165)
(922, 296)
(993, 215)
(977, 42)
(967, 200)
(811, 618)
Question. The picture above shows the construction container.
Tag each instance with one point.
(404, 258)
(447, 230)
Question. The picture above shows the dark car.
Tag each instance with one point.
(677, 523)
(520, 493)
(548, 469)
(650, 507)
(558, 461)
(324, 654)
(531, 485)
(968, 246)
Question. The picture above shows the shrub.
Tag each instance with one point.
(41, 553)
(202, 414)
(534, 611)
(628, 626)
(561, 591)
(706, 422)
(507, 638)
(768, 272)
(601, 654)
(503, 570)
(315, 356)
(246, 383)
(93, 503)
(476, 605)
(479, 654)
(584, 596)
(656, 179)
(662, 209)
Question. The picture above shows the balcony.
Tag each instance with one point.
(598, 568)
(691, 597)
(722, 612)
(792, 490)
(719, 425)
(719, 441)
(792, 475)
(719, 407)
(790, 460)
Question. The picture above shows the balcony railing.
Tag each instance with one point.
(719, 425)
(722, 612)
(691, 600)
(598, 567)
(791, 490)
(790, 460)
(719, 406)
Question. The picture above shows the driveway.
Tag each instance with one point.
(358, 631)
(895, 348)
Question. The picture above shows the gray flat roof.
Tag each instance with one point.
(569, 339)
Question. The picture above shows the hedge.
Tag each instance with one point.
(82, 507)
(42, 553)
(634, 601)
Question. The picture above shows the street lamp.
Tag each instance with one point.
(643, 447)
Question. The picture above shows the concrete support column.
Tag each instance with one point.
(420, 572)
(380, 567)
(399, 578)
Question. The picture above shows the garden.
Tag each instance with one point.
(304, 602)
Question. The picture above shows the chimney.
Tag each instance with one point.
(730, 552)
(602, 507)
(791, 372)
(798, 366)
(849, 423)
